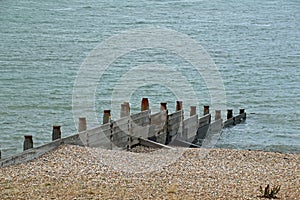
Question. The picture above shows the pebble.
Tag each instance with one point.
(74, 172)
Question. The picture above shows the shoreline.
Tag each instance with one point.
(80, 172)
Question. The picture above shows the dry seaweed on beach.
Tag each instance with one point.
(73, 172)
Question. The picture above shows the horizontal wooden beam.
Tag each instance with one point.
(150, 143)
(182, 143)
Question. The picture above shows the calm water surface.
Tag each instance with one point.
(255, 45)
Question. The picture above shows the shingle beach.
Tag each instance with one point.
(74, 172)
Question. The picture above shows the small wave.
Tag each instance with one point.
(62, 9)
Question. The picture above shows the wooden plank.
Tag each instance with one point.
(215, 127)
(161, 137)
(120, 139)
(202, 132)
(235, 120)
(175, 115)
(97, 137)
(124, 129)
(177, 120)
(149, 143)
(175, 123)
(72, 140)
(32, 153)
(102, 131)
(158, 127)
(238, 119)
(142, 118)
(213, 134)
(121, 122)
(153, 131)
(190, 127)
(228, 122)
(142, 114)
(182, 143)
(174, 131)
(136, 132)
(134, 141)
(244, 116)
(159, 118)
(139, 127)
(121, 125)
(205, 120)
(139, 131)
(96, 141)
(174, 127)
(120, 132)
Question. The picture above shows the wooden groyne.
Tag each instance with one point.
(159, 130)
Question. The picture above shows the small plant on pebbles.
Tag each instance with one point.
(172, 188)
(269, 192)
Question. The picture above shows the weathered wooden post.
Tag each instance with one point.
(144, 104)
(82, 124)
(56, 133)
(229, 113)
(178, 105)
(125, 109)
(193, 110)
(28, 143)
(217, 115)
(106, 116)
(242, 110)
(163, 106)
(206, 110)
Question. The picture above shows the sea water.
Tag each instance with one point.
(254, 44)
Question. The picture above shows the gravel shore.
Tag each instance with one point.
(74, 172)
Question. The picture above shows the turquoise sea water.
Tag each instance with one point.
(255, 45)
